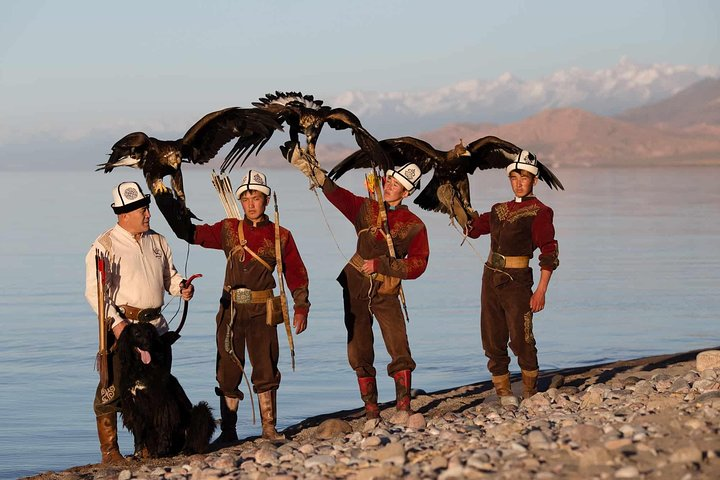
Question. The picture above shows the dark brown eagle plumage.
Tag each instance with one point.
(449, 188)
(160, 158)
(305, 115)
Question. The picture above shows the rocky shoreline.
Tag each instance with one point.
(649, 418)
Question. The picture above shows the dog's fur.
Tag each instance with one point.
(154, 407)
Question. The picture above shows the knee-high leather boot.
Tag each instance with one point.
(402, 390)
(268, 415)
(228, 420)
(107, 434)
(503, 389)
(529, 379)
(369, 396)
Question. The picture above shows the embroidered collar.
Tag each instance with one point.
(264, 220)
(399, 206)
(524, 199)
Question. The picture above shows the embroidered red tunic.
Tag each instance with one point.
(407, 230)
(518, 228)
(361, 297)
(248, 272)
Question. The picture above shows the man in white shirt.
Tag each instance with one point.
(139, 270)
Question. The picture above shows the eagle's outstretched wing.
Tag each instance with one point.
(448, 190)
(399, 151)
(493, 152)
(127, 151)
(305, 115)
(404, 150)
(160, 158)
(252, 126)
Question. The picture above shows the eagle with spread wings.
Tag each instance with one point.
(306, 115)
(160, 158)
(449, 188)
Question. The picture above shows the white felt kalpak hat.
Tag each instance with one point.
(408, 175)
(254, 180)
(525, 161)
(128, 196)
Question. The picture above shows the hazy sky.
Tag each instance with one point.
(75, 65)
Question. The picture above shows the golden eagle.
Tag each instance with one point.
(448, 190)
(158, 158)
(304, 114)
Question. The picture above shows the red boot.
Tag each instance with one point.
(402, 390)
(369, 395)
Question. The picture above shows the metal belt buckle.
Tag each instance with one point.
(242, 295)
(147, 314)
(497, 260)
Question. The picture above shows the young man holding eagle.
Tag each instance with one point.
(245, 317)
(371, 279)
(516, 229)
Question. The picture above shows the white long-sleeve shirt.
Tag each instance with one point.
(138, 273)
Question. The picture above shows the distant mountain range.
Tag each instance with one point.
(625, 115)
(507, 98)
(681, 130)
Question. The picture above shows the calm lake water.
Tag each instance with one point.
(639, 275)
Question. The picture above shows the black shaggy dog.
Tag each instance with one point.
(154, 407)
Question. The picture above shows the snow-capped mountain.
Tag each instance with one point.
(508, 98)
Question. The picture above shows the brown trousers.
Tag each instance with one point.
(359, 321)
(249, 330)
(505, 315)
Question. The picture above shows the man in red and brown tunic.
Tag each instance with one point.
(371, 279)
(243, 320)
(508, 303)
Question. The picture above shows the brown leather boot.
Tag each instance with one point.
(529, 379)
(107, 434)
(228, 421)
(369, 395)
(503, 389)
(268, 415)
(402, 390)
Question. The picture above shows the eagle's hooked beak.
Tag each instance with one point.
(460, 150)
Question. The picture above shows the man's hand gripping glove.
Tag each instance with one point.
(456, 208)
(299, 159)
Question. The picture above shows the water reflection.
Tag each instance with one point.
(638, 276)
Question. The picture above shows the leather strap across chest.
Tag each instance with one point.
(378, 224)
(242, 247)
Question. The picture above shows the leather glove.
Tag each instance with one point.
(456, 208)
(177, 215)
(296, 156)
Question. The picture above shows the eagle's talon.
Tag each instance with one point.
(159, 188)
